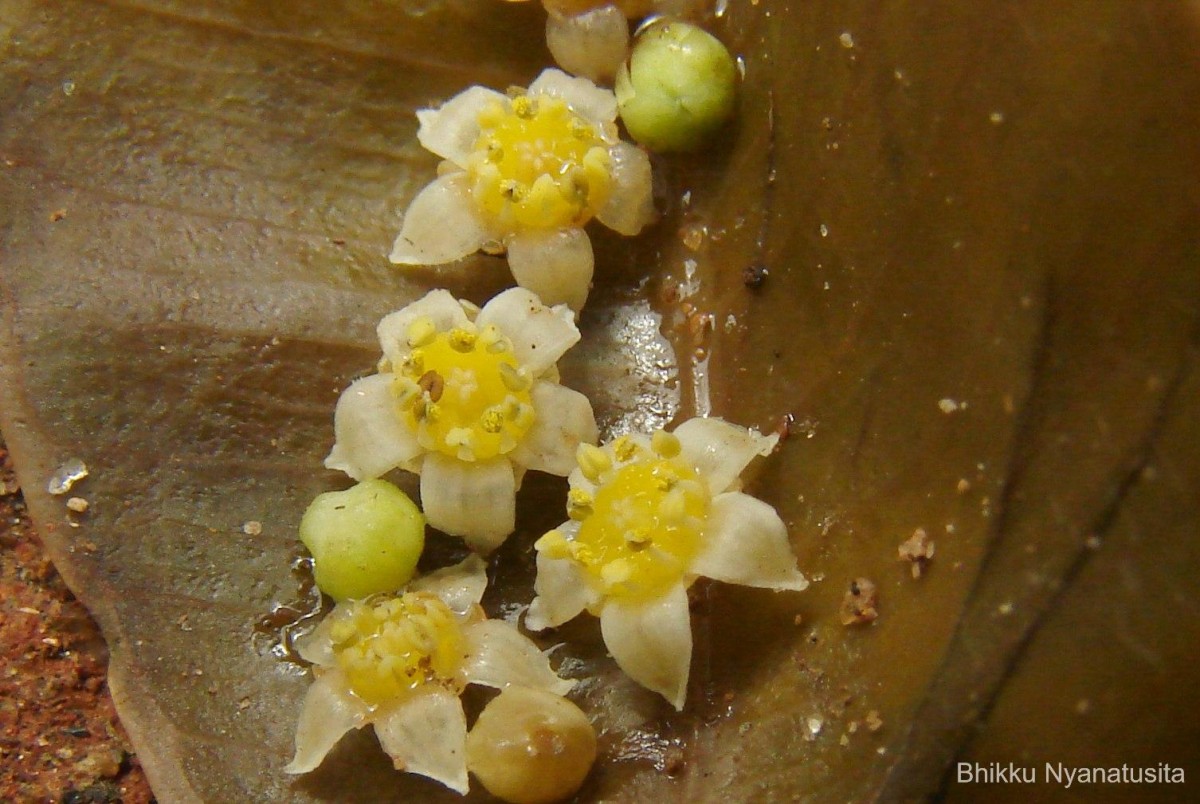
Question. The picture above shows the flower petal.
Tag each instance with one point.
(563, 421)
(328, 712)
(592, 44)
(500, 656)
(317, 646)
(747, 543)
(556, 265)
(440, 224)
(562, 593)
(476, 501)
(460, 587)
(450, 131)
(585, 98)
(652, 641)
(427, 734)
(369, 437)
(720, 450)
(439, 305)
(539, 334)
(630, 206)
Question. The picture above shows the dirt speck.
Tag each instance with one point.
(860, 605)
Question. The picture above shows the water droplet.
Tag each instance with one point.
(66, 476)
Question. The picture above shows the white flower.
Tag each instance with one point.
(399, 663)
(524, 174)
(647, 517)
(468, 401)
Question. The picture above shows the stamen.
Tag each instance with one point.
(643, 524)
(421, 332)
(466, 402)
(388, 648)
(593, 461)
(461, 340)
(625, 448)
(665, 444)
(432, 383)
(492, 420)
(538, 164)
(515, 378)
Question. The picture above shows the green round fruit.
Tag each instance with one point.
(678, 87)
(364, 540)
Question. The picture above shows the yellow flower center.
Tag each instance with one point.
(463, 392)
(388, 647)
(538, 165)
(644, 524)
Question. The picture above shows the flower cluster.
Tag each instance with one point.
(469, 399)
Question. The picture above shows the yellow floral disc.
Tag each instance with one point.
(463, 392)
(644, 524)
(388, 647)
(538, 165)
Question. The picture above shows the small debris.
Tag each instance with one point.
(949, 406)
(859, 604)
(874, 721)
(693, 236)
(783, 429)
(846, 39)
(996, 117)
(252, 528)
(798, 619)
(963, 486)
(78, 504)
(1004, 609)
(674, 761)
(815, 724)
(1083, 706)
(917, 550)
(754, 275)
(104, 763)
(1093, 542)
(57, 215)
(66, 476)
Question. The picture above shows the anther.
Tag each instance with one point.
(492, 420)
(625, 448)
(421, 332)
(665, 444)
(515, 378)
(432, 384)
(592, 461)
(524, 107)
(461, 340)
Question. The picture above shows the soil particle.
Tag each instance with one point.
(859, 606)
